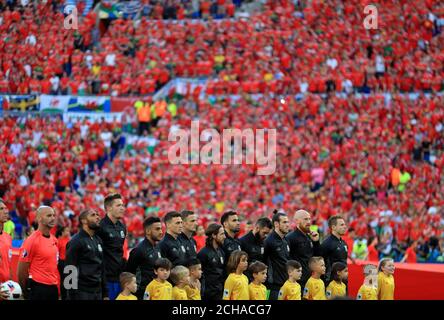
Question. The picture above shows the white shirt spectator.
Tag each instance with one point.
(23, 180)
(84, 128)
(31, 39)
(303, 87)
(106, 137)
(332, 63)
(16, 148)
(36, 137)
(380, 65)
(110, 59)
(55, 82)
(28, 70)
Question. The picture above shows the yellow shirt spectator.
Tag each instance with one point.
(386, 286)
(290, 291)
(122, 297)
(236, 287)
(157, 290)
(367, 293)
(336, 289)
(179, 294)
(193, 293)
(314, 289)
(257, 292)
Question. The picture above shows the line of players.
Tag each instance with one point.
(95, 267)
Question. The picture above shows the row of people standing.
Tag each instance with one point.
(96, 252)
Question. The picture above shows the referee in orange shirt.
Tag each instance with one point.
(5, 245)
(38, 260)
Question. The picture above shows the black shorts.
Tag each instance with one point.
(40, 291)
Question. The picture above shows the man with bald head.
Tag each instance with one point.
(39, 256)
(303, 243)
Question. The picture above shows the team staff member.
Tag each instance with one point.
(170, 246)
(231, 224)
(189, 219)
(276, 254)
(212, 258)
(253, 242)
(143, 257)
(38, 259)
(85, 252)
(5, 245)
(303, 243)
(334, 248)
(113, 233)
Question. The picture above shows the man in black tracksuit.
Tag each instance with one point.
(303, 243)
(276, 254)
(231, 224)
(253, 242)
(113, 233)
(142, 258)
(189, 220)
(85, 252)
(333, 248)
(170, 246)
(213, 262)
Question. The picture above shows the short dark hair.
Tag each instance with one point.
(170, 215)
(163, 263)
(212, 229)
(335, 268)
(149, 221)
(293, 264)
(226, 215)
(277, 216)
(193, 262)
(84, 214)
(186, 213)
(264, 222)
(332, 221)
(257, 267)
(109, 199)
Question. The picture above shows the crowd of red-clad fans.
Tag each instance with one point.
(289, 47)
(381, 166)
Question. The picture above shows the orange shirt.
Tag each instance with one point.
(43, 255)
(5, 256)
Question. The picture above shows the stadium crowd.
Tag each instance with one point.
(289, 47)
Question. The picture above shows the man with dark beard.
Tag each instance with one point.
(143, 257)
(85, 252)
(253, 242)
(231, 224)
(213, 263)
